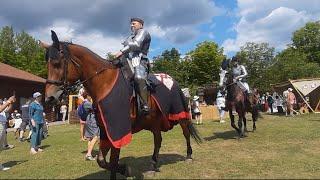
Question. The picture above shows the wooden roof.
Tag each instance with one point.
(14, 73)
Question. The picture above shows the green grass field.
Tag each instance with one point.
(282, 147)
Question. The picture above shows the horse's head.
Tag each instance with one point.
(61, 73)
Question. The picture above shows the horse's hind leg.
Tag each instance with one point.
(245, 124)
(186, 133)
(103, 151)
(157, 145)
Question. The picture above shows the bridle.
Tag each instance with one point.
(63, 84)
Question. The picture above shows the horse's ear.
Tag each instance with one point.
(55, 39)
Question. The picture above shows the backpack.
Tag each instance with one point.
(82, 113)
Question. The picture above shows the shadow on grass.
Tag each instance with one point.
(13, 163)
(45, 146)
(94, 152)
(314, 120)
(222, 135)
(138, 165)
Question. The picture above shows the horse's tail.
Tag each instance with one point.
(194, 133)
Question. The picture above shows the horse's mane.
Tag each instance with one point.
(88, 50)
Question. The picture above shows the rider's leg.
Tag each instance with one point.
(140, 79)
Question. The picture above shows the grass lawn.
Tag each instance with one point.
(282, 147)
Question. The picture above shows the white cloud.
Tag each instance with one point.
(271, 21)
(94, 40)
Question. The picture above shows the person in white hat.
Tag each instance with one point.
(221, 103)
(196, 109)
(37, 120)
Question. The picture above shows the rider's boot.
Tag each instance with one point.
(143, 91)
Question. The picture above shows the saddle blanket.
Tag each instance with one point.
(114, 109)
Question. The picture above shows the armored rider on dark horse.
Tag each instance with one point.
(136, 48)
(239, 97)
(239, 74)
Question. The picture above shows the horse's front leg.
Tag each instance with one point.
(255, 115)
(241, 128)
(232, 121)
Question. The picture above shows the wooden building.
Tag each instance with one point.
(22, 83)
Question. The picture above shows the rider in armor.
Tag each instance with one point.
(136, 48)
(239, 74)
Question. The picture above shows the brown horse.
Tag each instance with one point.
(68, 63)
(236, 99)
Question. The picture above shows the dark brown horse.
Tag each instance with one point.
(69, 63)
(237, 100)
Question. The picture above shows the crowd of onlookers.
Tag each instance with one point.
(273, 103)
(31, 114)
(284, 103)
(31, 117)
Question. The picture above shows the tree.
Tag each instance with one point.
(293, 64)
(169, 63)
(7, 45)
(22, 51)
(206, 60)
(307, 40)
(257, 57)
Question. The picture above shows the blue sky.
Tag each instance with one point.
(101, 25)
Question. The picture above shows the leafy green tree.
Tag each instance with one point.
(206, 59)
(307, 40)
(169, 63)
(7, 45)
(293, 64)
(22, 51)
(257, 57)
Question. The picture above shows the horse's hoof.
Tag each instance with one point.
(125, 170)
(189, 160)
(102, 164)
(150, 174)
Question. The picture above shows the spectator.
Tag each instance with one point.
(3, 120)
(17, 124)
(278, 103)
(37, 121)
(91, 129)
(82, 96)
(196, 110)
(221, 103)
(25, 120)
(270, 102)
(263, 102)
(291, 101)
(285, 99)
(63, 111)
(6, 116)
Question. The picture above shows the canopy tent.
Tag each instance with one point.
(306, 90)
